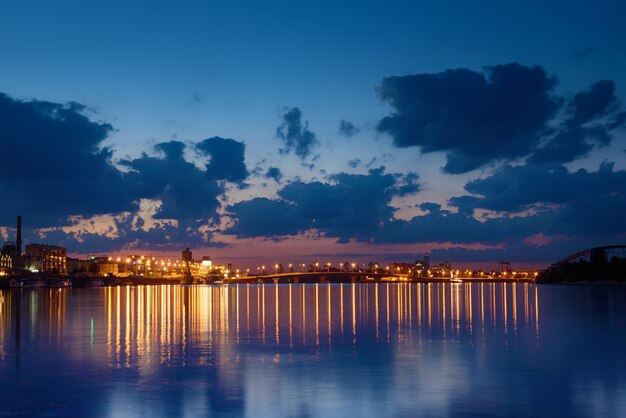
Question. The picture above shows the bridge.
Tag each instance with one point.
(595, 255)
(361, 277)
(321, 277)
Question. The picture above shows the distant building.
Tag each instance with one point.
(422, 266)
(75, 265)
(107, 268)
(6, 261)
(401, 268)
(46, 258)
(187, 255)
(8, 254)
(206, 262)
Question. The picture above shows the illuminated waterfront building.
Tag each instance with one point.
(6, 261)
(8, 254)
(422, 266)
(46, 258)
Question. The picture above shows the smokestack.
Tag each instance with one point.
(18, 241)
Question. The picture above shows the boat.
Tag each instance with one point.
(25, 283)
(93, 282)
(58, 282)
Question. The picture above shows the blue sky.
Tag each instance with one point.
(147, 73)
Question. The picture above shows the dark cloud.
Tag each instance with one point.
(598, 101)
(259, 218)
(55, 169)
(58, 169)
(507, 112)
(351, 206)
(127, 233)
(354, 163)
(570, 144)
(296, 135)
(593, 115)
(474, 117)
(50, 141)
(227, 159)
(569, 208)
(54, 164)
(188, 195)
(443, 226)
(618, 121)
(580, 206)
(184, 190)
(596, 217)
(347, 128)
(513, 189)
(409, 185)
(376, 161)
(274, 173)
(357, 207)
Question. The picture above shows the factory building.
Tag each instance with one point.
(46, 258)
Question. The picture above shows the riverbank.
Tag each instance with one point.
(582, 272)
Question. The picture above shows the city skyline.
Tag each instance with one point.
(351, 131)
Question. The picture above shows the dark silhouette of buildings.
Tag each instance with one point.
(11, 254)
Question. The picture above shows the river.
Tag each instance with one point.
(325, 350)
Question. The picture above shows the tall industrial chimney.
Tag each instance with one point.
(18, 241)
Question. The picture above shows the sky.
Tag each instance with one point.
(281, 131)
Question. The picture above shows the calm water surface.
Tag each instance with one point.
(386, 350)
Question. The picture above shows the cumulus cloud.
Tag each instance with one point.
(592, 117)
(227, 159)
(520, 188)
(54, 164)
(347, 128)
(574, 205)
(351, 206)
(258, 218)
(274, 173)
(503, 113)
(354, 163)
(127, 232)
(599, 100)
(439, 225)
(576, 209)
(57, 170)
(474, 117)
(567, 207)
(185, 192)
(51, 135)
(296, 135)
(410, 185)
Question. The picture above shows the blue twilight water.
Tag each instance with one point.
(386, 350)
